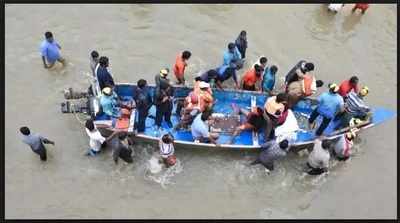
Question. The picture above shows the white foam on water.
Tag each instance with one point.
(158, 173)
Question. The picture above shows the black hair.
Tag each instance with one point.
(197, 78)
(354, 80)
(263, 60)
(309, 66)
(186, 54)
(243, 32)
(325, 144)
(231, 46)
(141, 83)
(103, 61)
(122, 135)
(167, 138)
(273, 69)
(25, 130)
(284, 144)
(48, 34)
(94, 54)
(258, 69)
(89, 124)
(206, 114)
(281, 97)
(319, 83)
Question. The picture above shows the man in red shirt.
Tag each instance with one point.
(180, 65)
(251, 77)
(361, 6)
(348, 85)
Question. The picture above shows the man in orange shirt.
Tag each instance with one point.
(361, 6)
(251, 78)
(180, 65)
(348, 85)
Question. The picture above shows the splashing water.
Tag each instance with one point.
(158, 173)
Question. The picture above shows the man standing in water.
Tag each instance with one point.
(180, 65)
(35, 141)
(50, 51)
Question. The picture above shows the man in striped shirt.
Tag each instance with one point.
(355, 107)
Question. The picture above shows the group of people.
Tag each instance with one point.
(343, 102)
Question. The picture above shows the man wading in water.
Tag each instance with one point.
(35, 141)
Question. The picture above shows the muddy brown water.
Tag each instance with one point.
(139, 40)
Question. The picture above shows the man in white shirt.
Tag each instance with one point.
(96, 139)
(318, 160)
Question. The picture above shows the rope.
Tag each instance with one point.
(75, 114)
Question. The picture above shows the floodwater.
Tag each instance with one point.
(139, 40)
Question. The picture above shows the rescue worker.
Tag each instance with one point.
(232, 57)
(143, 103)
(35, 141)
(348, 85)
(362, 6)
(268, 80)
(252, 78)
(301, 68)
(274, 109)
(254, 120)
(272, 151)
(342, 146)
(318, 160)
(329, 105)
(190, 110)
(104, 77)
(180, 65)
(208, 76)
(120, 147)
(241, 43)
(96, 140)
(163, 97)
(167, 150)
(224, 73)
(262, 62)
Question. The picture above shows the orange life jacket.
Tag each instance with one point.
(307, 82)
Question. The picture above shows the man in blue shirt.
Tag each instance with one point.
(224, 73)
(268, 81)
(329, 105)
(200, 129)
(104, 77)
(50, 51)
(232, 57)
(109, 103)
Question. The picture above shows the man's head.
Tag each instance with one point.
(49, 36)
(243, 33)
(206, 114)
(103, 61)
(258, 70)
(333, 88)
(284, 144)
(107, 91)
(141, 83)
(364, 91)
(281, 98)
(319, 83)
(94, 54)
(89, 124)
(309, 67)
(167, 138)
(263, 61)
(273, 69)
(164, 72)
(325, 144)
(354, 80)
(186, 55)
(25, 130)
(231, 47)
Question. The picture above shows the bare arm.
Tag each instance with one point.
(44, 62)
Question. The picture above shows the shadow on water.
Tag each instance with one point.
(350, 22)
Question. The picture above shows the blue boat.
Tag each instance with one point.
(246, 140)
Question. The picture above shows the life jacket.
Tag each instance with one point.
(205, 100)
(307, 84)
